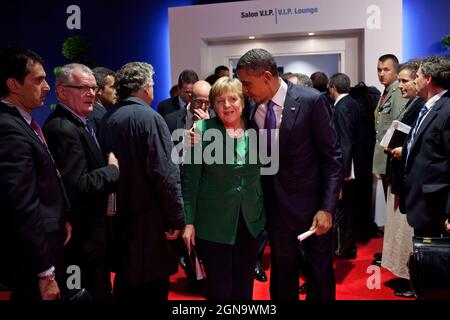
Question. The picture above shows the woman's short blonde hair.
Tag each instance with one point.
(224, 85)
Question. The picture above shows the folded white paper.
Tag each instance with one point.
(306, 234)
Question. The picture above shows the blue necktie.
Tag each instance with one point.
(270, 123)
(422, 114)
(91, 131)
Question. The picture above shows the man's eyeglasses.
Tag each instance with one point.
(200, 102)
(83, 89)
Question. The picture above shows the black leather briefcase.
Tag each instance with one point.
(429, 268)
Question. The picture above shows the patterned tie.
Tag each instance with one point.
(91, 131)
(35, 126)
(270, 123)
(422, 114)
(383, 97)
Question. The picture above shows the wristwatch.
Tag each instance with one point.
(50, 277)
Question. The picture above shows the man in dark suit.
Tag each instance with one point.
(303, 194)
(346, 121)
(150, 206)
(184, 119)
(105, 96)
(186, 81)
(32, 196)
(427, 176)
(196, 110)
(86, 175)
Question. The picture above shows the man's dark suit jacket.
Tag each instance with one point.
(149, 194)
(88, 180)
(96, 116)
(394, 168)
(310, 169)
(168, 106)
(309, 179)
(427, 174)
(177, 119)
(346, 120)
(33, 205)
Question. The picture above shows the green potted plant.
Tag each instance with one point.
(76, 49)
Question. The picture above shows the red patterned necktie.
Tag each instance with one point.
(35, 126)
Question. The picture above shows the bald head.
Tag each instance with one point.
(201, 89)
(200, 96)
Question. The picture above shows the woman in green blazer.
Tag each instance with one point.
(223, 198)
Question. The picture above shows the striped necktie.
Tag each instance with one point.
(422, 114)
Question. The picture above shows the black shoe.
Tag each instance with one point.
(183, 263)
(377, 256)
(405, 294)
(348, 254)
(303, 288)
(196, 286)
(376, 262)
(260, 274)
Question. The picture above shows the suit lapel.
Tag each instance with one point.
(425, 124)
(21, 122)
(93, 148)
(386, 101)
(250, 110)
(181, 119)
(290, 111)
(18, 118)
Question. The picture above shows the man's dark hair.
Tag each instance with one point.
(412, 66)
(257, 61)
(341, 82)
(14, 63)
(174, 90)
(211, 79)
(100, 74)
(187, 76)
(390, 56)
(220, 68)
(320, 81)
(439, 70)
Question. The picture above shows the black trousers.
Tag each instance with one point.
(345, 221)
(230, 268)
(287, 256)
(262, 245)
(95, 272)
(96, 278)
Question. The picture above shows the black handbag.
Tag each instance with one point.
(429, 268)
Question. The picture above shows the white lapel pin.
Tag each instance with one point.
(292, 108)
